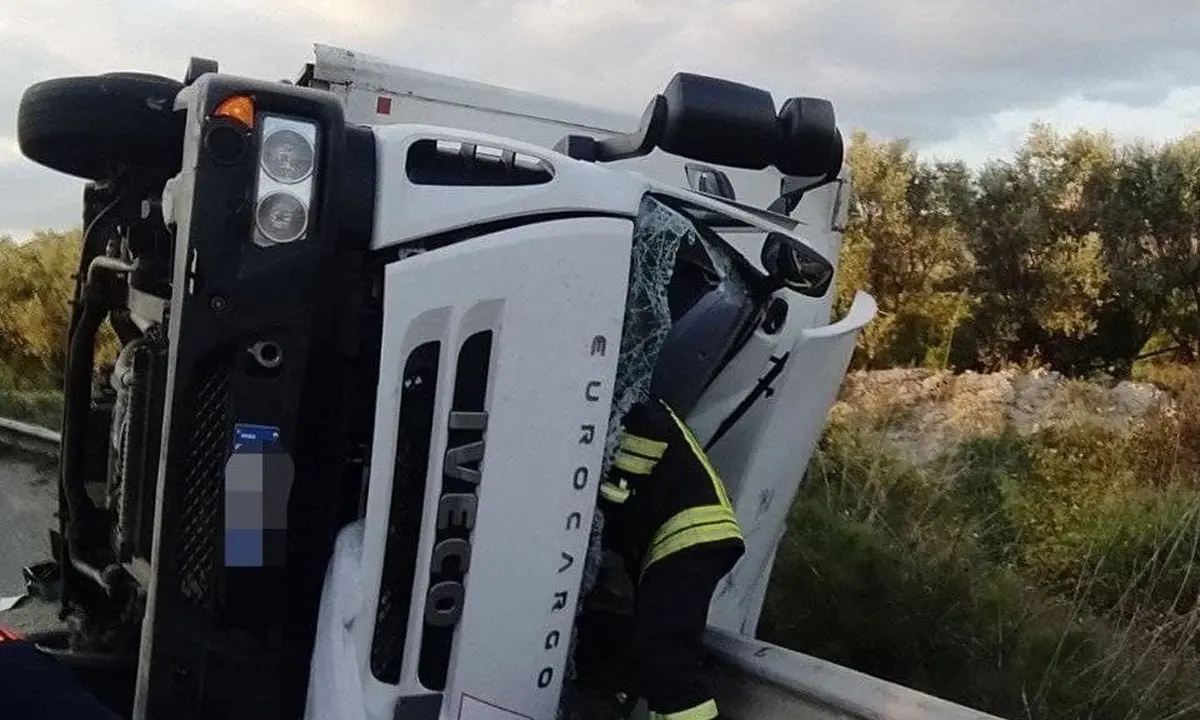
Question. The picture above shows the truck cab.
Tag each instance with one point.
(372, 372)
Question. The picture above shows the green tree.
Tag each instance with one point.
(36, 284)
(902, 244)
(1149, 224)
(1038, 273)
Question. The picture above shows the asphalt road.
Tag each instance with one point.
(27, 510)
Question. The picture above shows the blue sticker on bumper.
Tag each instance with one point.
(258, 481)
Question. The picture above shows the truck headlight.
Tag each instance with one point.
(287, 157)
(281, 217)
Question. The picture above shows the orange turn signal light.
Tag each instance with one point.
(237, 107)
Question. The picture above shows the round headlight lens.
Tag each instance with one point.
(281, 217)
(287, 156)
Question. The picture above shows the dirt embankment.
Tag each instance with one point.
(927, 411)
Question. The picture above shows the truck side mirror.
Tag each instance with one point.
(198, 67)
(705, 119)
(811, 150)
(699, 118)
(720, 122)
(810, 144)
(792, 265)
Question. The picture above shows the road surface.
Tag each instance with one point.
(27, 509)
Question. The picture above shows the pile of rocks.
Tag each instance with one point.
(929, 410)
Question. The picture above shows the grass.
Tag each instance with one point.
(1050, 576)
(42, 408)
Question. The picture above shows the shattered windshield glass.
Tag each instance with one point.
(658, 235)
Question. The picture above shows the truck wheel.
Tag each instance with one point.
(95, 127)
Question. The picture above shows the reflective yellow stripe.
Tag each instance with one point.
(693, 526)
(685, 519)
(634, 463)
(644, 446)
(698, 451)
(706, 710)
(690, 537)
(615, 494)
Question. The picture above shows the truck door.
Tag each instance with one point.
(497, 370)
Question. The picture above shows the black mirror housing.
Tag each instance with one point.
(810, 144)
(719, 121)
(198, 67)
(795, 266)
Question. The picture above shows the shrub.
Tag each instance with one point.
(1010, 576)
(1168, 440)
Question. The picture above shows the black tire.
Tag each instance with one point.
(96, 127)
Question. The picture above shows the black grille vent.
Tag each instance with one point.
(415, 431)
(209, 432)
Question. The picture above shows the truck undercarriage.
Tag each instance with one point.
(324, 325)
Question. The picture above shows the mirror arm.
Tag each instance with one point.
(790, 197)
(642, 141)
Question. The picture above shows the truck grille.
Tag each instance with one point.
(210, 427)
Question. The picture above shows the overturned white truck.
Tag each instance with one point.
(417, 307)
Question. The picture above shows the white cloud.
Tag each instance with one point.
(998, 136)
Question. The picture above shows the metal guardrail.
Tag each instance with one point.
(760, 681)
(31, 438)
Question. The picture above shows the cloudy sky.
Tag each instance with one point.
(960, 78)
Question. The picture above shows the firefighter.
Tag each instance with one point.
(669, 520)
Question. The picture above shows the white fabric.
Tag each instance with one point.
(335, 690)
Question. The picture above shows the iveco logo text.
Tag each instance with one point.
(455, 520)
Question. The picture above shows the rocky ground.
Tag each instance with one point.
(926, 411)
